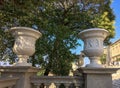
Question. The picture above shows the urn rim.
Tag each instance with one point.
(93, 32)
(93, 29)
(26, 29)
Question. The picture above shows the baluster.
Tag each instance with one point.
(57, 85)
(37, 85)
(10, 87)
(67, 85)
(77, 86)
(47, 85)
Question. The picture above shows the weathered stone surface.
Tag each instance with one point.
(98, 77)
(24, 45)
(22, 72)
(8, 82)
(67, 81)
(116, 79)
(93, 44)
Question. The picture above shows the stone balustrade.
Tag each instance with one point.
(67, 81)
(23, 75)
(8, 82)
(116, 79)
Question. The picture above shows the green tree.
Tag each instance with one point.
(59, 21)
(103, 59)
(6, 42)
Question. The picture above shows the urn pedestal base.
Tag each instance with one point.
(97, 77)
(94, 62)
(23, 61)
(22, 64)
(22, 72)
(94, 65)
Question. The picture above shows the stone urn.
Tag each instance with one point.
(24, 46)
(93, 44)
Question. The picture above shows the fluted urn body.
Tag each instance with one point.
(93, 44)
(24, 46)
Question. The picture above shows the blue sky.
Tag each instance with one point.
(116, 10)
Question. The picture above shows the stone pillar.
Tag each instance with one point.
(22, 72)
(98, 77)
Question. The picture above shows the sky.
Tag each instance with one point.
(116, 10)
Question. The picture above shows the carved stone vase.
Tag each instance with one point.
(93, 44)
(24, 46)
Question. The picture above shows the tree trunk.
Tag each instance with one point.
(33, 60)
(47, 71)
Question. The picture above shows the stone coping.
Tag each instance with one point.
(18, 69)
(8, 82)
(93, 29)
(92, 70)
(8, 78)
(57, 79)
(27, 30)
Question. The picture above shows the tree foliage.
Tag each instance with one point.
(59, 21)
(103, 59)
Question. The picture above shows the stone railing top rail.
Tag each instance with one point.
(8, 78)
(18, 69)
(7, 82)
(57, 79)
(113, 66)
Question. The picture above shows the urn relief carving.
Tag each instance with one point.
(24, 45)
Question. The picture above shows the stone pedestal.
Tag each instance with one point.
(22, 72)
(98, 77)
